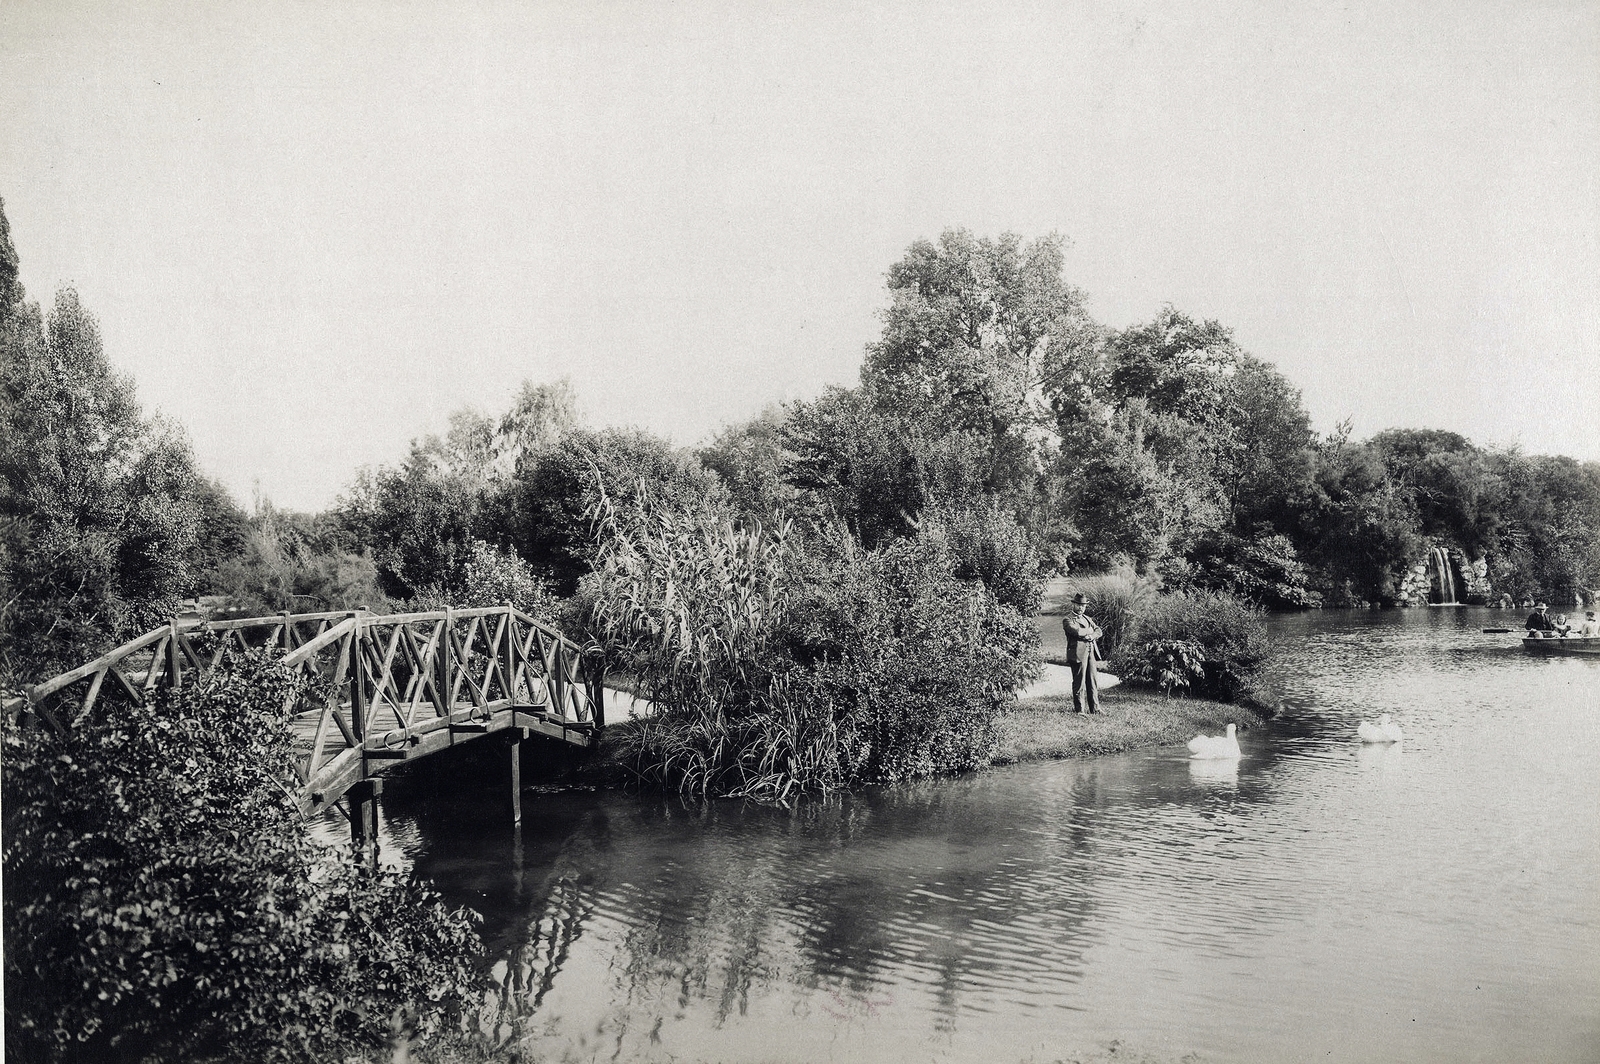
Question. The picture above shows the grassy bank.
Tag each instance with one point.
(1046, 728)
(1038, 729)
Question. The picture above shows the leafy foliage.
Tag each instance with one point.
(296, 563)
(545, 513)
(988, 544)
(1209, 643)
(1173, 663)
(163, 898)
(778, 669)
(105, 521)
(916, 663)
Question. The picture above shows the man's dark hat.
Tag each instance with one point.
(1079, 600)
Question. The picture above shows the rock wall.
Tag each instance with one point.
(1472, 580)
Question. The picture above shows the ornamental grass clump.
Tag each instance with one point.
(778, 668)
(686, 603)
(164, 900)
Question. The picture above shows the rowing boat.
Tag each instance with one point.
(1555, 644)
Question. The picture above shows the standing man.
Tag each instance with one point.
(1081, 634)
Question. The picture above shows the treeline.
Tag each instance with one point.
(991, 402)
(991, 405)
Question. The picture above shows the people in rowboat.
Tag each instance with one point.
(1590, 628)
(1539, 623)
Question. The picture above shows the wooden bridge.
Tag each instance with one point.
(384, 690)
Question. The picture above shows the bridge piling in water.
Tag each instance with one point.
(517, 735)
(363, 799)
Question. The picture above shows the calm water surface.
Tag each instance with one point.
(1436, 900)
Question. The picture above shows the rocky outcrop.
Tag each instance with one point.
(1419, 585)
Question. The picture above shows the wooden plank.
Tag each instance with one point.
(88, 700)
(358, 682)
(132, 692)
(174, 660)
(154, 674)
(305, 650)
(51, 686)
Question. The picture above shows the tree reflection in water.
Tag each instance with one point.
(850, 912)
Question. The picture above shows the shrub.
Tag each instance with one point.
(1264, 570)
(915, 663)
(163, 898)
(293, 562)
(1173, 663)
(988, 544)
(491, 576)
(1226, 633)
(777, 670)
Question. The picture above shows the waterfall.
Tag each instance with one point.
(1440, 558)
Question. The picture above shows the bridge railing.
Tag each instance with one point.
(383, 686)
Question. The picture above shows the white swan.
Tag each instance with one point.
(1215, 746)
(1385, 731)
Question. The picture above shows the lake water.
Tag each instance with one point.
(1438, 900)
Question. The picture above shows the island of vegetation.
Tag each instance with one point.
(838, 592)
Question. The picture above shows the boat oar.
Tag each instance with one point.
(1496, 631)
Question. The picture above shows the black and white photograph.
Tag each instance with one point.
(726, 532)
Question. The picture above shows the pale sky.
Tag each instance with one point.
(311, 230)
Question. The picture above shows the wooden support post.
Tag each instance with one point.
(174, 666)
(446, 662)
(363, 799)
(595, 674)
(507, 657)
(358, 687)
(517, 735)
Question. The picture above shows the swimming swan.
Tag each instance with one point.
(1215, 746)
(1385, 731)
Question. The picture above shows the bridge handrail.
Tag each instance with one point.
(110, 657)
(401, 679)
(37, 692)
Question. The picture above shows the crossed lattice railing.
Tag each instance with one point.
(385, 688)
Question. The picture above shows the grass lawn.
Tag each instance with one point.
(1045, 728)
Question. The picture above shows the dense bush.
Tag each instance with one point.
(296, 563)
(988, 544)
(1209, 644)
(490, 576)
(916, 663)
(164, 900)
(1264, 570)
(776, 669)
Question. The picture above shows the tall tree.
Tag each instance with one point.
(970, 328)
(105, 521)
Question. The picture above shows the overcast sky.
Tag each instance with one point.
(311, 230)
